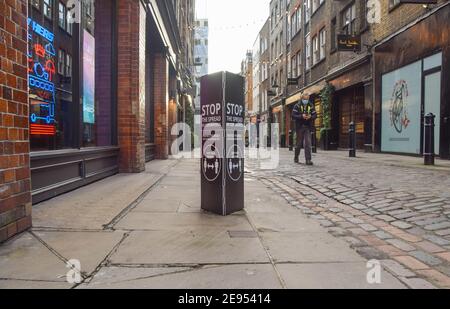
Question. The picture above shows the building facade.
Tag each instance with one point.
(264, 80)
(411, 77)
(261, 84)
(247, 73)
(87, 92)
(253, 114)
(365, 61)
(278, 65)
(201, 55)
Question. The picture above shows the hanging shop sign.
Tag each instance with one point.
(292, 82)
(271, 93)
(41, 70)
(88, 78)
(349, 42)
(222, 163)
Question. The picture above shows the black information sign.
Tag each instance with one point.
(349, 42)
(222, 163)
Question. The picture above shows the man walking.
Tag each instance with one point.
(304, 114)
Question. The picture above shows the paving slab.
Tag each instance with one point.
(25, 258)
(182, 222)
(285, 222)
(209, 277)
(92, 206)
(90, 248)
(308, 247)
(333, 276)
(168, 205)
(33, 285)
(196, 247)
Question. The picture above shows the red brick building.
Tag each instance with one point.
(15, 183)
(85, 93)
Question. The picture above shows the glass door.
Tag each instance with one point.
(432, 100)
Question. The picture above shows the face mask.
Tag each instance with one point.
(305, 102)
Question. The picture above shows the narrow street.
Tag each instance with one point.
(303, 227)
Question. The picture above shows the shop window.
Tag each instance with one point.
(56, 122)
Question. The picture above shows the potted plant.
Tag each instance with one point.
(326, 97)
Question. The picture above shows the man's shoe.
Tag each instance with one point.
(309, 163)
(296, 161)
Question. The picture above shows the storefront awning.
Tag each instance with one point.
(293, 99)
(316, 88)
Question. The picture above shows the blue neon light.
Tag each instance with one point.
(40, 78)
(37, 28)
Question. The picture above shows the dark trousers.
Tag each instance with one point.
(304, 141)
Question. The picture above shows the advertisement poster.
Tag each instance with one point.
(401, 110)
(88, 78)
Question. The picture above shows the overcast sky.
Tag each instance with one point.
(234, 25)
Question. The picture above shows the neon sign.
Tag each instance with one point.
(35, 27)
(41, 69)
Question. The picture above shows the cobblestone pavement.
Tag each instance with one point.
(389, 208)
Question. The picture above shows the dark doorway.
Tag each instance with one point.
(351, 109)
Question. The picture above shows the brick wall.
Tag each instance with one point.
(15, 183)
(131, 111)
(396, 18)
(103, 70)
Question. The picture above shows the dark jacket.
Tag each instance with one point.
(300, 110)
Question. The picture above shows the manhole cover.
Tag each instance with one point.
(242, 234)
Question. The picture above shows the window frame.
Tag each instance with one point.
(322, 43)
(308, 51)
(68, 65)
(37, 4)
(48, 7)
(61, 61)
(62, 16)
(349, 28)
(315, 50)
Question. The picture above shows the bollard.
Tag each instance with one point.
(429, 156)
(352, 140)
(314, 141)
(291, 140)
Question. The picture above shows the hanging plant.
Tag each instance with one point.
(326, 97)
